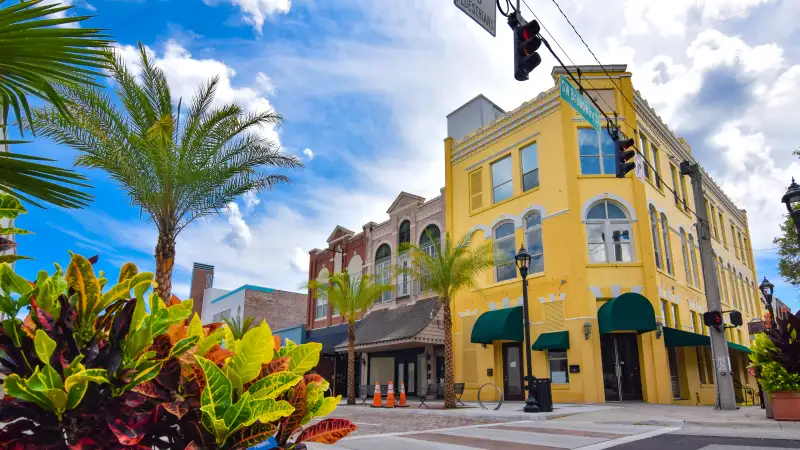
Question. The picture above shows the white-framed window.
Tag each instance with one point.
(321, 306)
(559, 368)
(530, 167)
(686, 263)
(534, 242)
(404, 239)
(676, 316)
(655, 162)
(596, 152)
(608, 231)
(383, 269)
(667, 244)
(693, 256)
(722, 283)
(502, 187)
(656, 237)
(222, 315)
(505, 267)
(745, 302)
(430, 240)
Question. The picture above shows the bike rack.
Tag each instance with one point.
(498, 391)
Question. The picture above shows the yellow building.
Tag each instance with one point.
(615, 289)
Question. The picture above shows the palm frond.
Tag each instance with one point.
(36, 54)
(27, 178)
(350, 294)
(239, 325)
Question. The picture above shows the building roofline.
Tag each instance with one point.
(590, 68)
(472, 100)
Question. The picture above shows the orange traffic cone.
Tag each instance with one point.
(402, 395)
(376, 400)
(390, 396)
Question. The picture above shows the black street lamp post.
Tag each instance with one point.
(523, 259)
(767, 289)
(792, 201)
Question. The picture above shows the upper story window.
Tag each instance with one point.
(748, 255)
(655, 162)
(686, 263)
(608, 231)
(693, 256)
(505, 267)
(596, 151)
(733, 238)
(533, 241)
(530, 167)
(502, 187)
(714, 221)
(321, 299)
(675, 185)
(430, 240)
(667, 244)
(383, 269)
(656, 237)
(643, 149)
(723, 286)
(685, 198)
(404, 233)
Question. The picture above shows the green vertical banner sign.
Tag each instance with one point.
(579, 102)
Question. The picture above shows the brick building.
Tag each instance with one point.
(281, 309)
(401, 337)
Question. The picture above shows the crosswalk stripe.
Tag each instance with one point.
(582, 433)
(476, 442)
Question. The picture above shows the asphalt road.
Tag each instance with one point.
(676, 441)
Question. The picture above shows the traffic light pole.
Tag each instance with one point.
(726, 399)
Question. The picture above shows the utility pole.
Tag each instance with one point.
(726, 400)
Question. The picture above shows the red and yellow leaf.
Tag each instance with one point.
(177, 409)
(329, 431)
(80, 277)
(252, 435)
(276, 365)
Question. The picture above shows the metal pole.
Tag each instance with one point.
(719, 346)
(530, 403)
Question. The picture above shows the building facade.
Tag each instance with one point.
(281, 309)
(400, 338)
(616, 290)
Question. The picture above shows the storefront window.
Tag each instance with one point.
(559, 370)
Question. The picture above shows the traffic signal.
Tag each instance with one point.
(712, 319)
(624, 156)
(736, 318)
(526, 42)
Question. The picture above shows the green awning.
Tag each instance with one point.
(679, 338)
(551, 341)
(628, 312)
(499, 325)
(741, 348)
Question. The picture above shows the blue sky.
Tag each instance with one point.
(365, 85)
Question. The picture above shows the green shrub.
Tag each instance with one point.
(92, 367)
(775, 378)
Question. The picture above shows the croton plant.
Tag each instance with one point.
(98, 367)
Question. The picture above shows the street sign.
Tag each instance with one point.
(481, 11)
(639, 168)
(580, 103)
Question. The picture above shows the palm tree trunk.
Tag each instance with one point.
(351, 363)
(165, 262)
(449, 376)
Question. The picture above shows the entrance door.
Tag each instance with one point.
(621, 375)
(407, 372)
(512, 371)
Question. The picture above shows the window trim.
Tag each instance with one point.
(510, 178)
(667, 245)
(495, 241)
(603, 171)
(550, 367)
(321, 303)
(653, 214)
(695, 270)
(686, 262)
(607, 229)
(385, 275)
(533, 229)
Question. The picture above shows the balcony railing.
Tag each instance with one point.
(410, 288)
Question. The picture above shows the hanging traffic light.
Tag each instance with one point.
(526, 42)
(712, 319)
(624, 156)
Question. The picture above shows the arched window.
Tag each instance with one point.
(667, 244)
(744, 283)
(533, 241)
(656, 237)
(608, 231)
(383, 268)
(686, 263)
(404, 233)
(734, 289)
(430, 240)
(693, 255)
(504, 250)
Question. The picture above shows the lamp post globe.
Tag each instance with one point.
(766, 288)
(523, 260)
(792, 201)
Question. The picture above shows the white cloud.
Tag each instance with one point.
(255, 12)
(265, 83)
(186, 74)
(239, 235)
(300, 260)
(251, 200)
(670, 18)
(309, 153)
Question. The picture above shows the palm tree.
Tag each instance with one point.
(445, 271)
(351, 296)
(37, 54)
(176, 166)
(239, 325)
